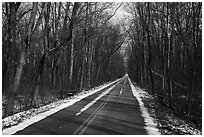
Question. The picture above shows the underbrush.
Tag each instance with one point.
(168, 121)
(24, 101)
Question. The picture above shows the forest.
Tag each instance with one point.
(166, 54)
(53, 50)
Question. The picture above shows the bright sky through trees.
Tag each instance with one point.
(120, 15)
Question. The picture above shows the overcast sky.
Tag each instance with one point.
(120, 15)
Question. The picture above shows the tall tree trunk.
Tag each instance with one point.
(17, 79)
(62, 82)
(97, 74)
(78, 77)
(13, 8)
(190, 96)
(196, 57)
(149, 53)
(71, 60)
(53, 71)
(82, 71)
(89, 65)
(38, 80)
(4, 72)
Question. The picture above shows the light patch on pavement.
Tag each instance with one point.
(88, 121)
(28, 122)
(150, 125)
(96, 99)
(121, 91)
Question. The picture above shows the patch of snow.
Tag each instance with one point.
(16, 126)
(150, 125)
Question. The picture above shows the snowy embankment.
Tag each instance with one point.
(19, 121)
(166, 121)
(151, 126)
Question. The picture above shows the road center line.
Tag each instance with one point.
(88, 121)
(122, 88)
(37, 118)
(96, 99)
(121, 91)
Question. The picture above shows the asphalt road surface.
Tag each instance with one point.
(111, 111)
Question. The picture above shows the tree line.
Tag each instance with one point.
(166, 53)
(55, 49)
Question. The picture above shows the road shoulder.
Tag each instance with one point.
(167, 122)
(151, 126)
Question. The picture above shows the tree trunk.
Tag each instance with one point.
(13, 8)
(38, 80)
(82, 71)
(78, 77)
(191, 92)
(4, 71)
(17, 79)
(71, 60)
(53, 71)
(97, 74)
(150, 54)
(89, 65)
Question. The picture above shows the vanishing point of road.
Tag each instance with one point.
(113, 110)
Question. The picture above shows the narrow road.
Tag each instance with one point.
(113, 110)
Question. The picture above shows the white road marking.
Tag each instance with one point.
(122, 87)
(85, 125)
(96, 99)
(28, 122)
(150, 125)
(121, 91)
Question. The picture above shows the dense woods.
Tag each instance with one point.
(53, 50)
(165, 55)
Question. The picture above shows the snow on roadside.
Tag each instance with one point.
(19, 121)
(150, 127)
(167, 122)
